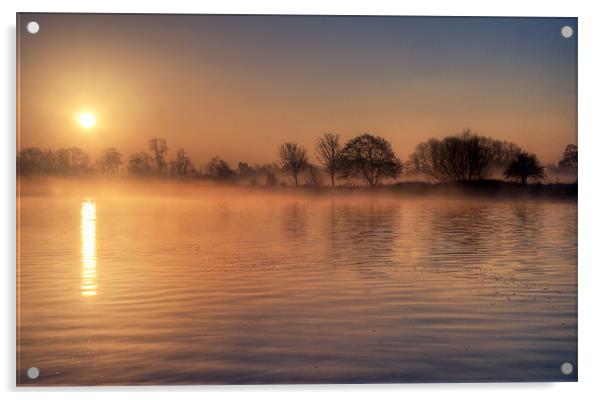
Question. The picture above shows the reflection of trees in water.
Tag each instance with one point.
(477, 234)
(363, 234)
(526, 225)
(294, 220)
(492, 240)
(462, 236)
(225, 215)
(498, 243)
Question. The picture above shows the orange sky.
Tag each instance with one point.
(237, 87)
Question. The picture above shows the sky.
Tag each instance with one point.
(238, 86)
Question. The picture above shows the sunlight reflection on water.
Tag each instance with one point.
(88, 233)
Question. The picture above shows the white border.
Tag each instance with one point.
(590, 131)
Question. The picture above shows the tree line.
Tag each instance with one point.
(365, 159)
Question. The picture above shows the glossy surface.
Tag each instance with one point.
(268, 288)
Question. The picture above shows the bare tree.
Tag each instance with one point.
(140, 164)
(292, 159)
(182, 165)
(159, 148)
(72, 160)
(426, 159)
(503, 153)
(463, 157)
(525, 166)
(315, 177)
(67, 161)
(329, 154)
(219, 170)
(270, 178)
(33, 160)
(370, 158)
(110, 161)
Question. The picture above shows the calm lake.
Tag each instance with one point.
(252, 287)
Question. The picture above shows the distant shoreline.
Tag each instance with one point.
(152, 186)
(492, 188)
(485, 189)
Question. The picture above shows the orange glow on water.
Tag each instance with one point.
(88, 235)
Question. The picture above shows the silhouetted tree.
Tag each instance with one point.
(219, 170)
(525, 166)
(292, 158)
(140, 164)
(270, 178)
(110, 161)
(68, 161)
(182, 165)
(370, 158)
(329, 154)
(315, 177)
(159, 148)
(71, 161)
(464, 157)
(427, 159)
(266, 173)
(33, 160)
(503, 153)
(569, 158)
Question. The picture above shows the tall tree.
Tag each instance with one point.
(314, 175)
(569, 158)
(328, 153)
(523, 167)
(370, 158)
(292, 159)
(159, 148)
(110, 161)
(503, 153)
(182, 165)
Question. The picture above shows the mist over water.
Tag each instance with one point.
(152, 283)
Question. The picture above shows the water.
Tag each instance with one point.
(271, 288)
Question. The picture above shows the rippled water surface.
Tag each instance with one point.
(262, 288)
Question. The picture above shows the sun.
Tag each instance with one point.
(86, 120)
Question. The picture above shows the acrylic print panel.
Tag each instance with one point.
(211, 199)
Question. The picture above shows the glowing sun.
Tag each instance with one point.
(86, 120)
